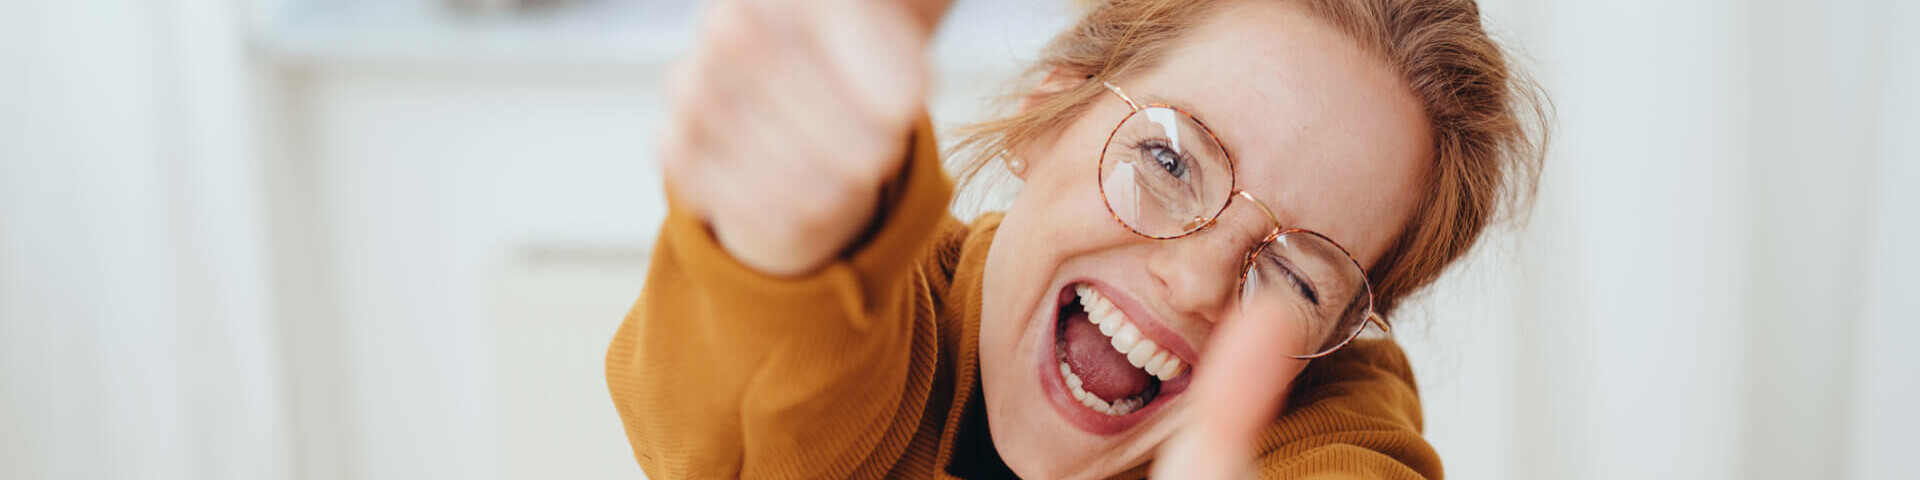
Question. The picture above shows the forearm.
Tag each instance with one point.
(722, 370)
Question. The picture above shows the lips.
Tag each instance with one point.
(1109, 371)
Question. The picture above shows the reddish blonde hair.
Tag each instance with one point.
(1488, 121)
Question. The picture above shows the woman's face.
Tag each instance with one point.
(1319, 129)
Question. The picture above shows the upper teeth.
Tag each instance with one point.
(1140, 351)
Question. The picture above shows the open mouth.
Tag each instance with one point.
(1105, 362)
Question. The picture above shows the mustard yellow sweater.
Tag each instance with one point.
(868, 368)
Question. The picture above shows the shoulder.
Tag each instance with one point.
(956, 245)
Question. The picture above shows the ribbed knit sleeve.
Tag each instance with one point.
(719, 371)
(1353, 415)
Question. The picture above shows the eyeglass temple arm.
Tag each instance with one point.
(1121, 93)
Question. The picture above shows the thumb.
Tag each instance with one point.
(1239, 387)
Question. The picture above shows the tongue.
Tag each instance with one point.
(1103, 371)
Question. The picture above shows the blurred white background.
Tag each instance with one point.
(388, 240)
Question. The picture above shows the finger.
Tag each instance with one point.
(822, 127)
(1246, 374)
(715, 89)
(677, 146)
(1238, 389)
(876, 50)
(789, 100)
(795, 98)
(760, 82)
(1194, 456)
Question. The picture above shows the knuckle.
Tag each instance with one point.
(811, 216)
(861, 175)
(818, 207)
(729, 28)
(867, 165)
(897, 111)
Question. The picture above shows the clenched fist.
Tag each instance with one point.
(789, 117)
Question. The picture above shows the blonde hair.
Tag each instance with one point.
(1489, 122)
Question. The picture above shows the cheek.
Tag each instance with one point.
(1027, 251)
(1052, 220)
(1057, 215)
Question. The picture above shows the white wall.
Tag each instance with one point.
(134, 340)
(1879, 410)
(1710, 287)
(244, 239)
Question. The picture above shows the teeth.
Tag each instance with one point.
(1153, 364)
(1171, 370)
(1142, 352)
(1074, 385)
(1126, 337)
(1093, 402)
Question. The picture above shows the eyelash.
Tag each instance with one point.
(1301, 284)
(1146, 147)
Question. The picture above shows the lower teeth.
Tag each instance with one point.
(1094, 402)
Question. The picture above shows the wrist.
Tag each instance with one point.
(783, 245)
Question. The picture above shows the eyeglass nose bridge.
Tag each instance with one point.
(1257, 203)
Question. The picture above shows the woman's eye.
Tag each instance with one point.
(1306, 288)
(1284, 269)
(1170, 161)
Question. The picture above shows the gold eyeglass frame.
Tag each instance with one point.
(1198, 223)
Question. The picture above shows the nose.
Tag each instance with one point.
(1199, 271)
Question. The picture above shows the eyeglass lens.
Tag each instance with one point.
(1163, 175)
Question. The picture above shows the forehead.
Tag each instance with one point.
(1320, 129)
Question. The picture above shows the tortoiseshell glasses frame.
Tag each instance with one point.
(1203, 222)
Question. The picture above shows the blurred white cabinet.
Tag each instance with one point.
(551, 316)
(446, 196)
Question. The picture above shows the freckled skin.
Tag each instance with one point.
(1319, 129)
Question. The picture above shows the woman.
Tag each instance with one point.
(1218, 197)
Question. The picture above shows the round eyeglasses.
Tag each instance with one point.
(1164, 175)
